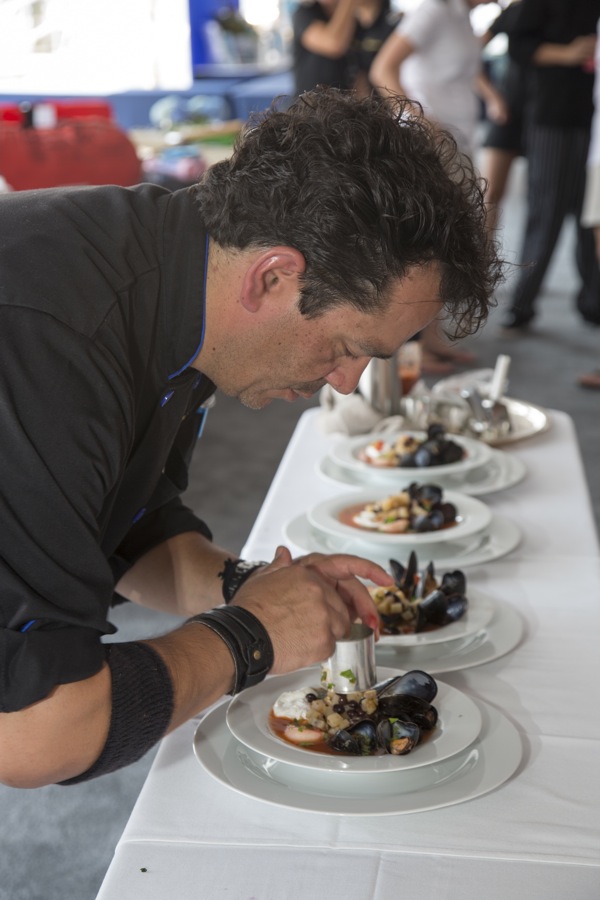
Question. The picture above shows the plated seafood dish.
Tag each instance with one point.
(408, 451)
(393, 717)
(419, 601)
(417, 509)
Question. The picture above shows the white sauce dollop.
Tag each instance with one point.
(293, 704)
(366, 519)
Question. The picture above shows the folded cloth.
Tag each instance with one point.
(352, 414)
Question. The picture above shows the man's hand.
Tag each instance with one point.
(307, 604)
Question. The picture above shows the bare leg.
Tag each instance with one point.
(439, 356)
(495, 168)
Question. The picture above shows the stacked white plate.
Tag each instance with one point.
(478, 536)
(472, 750)
(487, 631)
(482, 469)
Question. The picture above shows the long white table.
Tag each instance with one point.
(537, 837)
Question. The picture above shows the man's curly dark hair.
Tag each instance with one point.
(365, 190)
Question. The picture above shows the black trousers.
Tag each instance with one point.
(556, 184)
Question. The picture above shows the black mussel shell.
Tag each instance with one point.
(359, 739)
(457, 607)
(397, 736)
(435, 430)
(427, 495)
(428, 454)
(432, 610)
(431, 521)
(415, 683)
(408, 461)
(448, 510)
(404, 577)
(451, 452)
(409, 708)
(454, 582)
(427, 582)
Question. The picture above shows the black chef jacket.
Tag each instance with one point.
(101, 312)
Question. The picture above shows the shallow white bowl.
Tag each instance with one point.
(458, 726)
(473, 516)
(346, 454)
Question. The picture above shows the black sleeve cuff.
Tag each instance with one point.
(142, 706)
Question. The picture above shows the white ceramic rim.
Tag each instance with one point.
(458, 726)
(474, 515)
(344, 453)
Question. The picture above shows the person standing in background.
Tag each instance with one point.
(591, 204)
(557, 39)
(433, 57)
(376, 20)
(323, 34)
(504, 141)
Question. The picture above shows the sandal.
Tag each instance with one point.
(590, 380)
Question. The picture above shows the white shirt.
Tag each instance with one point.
(440, 73)
(590, 217)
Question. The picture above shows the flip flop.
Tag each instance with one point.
(590, 380)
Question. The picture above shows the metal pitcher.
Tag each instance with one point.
(380, 385)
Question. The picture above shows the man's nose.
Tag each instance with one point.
(345, 377)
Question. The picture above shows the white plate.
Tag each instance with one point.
(500, 538)
(498, 638)
(526, 419)
(503, 470)
(458, 726)
(473, 516)
(485, 765)
(479, 612)
(345, 454)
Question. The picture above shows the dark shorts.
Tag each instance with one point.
(506, 137)
(511, 136)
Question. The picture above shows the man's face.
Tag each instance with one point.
(291, 356)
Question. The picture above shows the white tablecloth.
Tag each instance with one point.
(537, 836)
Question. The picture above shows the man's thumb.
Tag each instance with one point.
(282, 557)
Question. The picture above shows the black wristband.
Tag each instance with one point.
(247, 640)
(234, 574)
(142, 706)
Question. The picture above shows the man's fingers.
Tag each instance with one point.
(360, 601)
(340, 566)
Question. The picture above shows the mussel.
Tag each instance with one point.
(432, 610)
(426, 495)
(429, 454)
(415, 683)
(433, 603)
(359, 739)
(398, 737)
(409, 709)
(405, 576)
(426, 582)
(440, 608)
(430, 521)
(403, 712)
(454, 582)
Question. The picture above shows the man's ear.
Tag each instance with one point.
(273, 275)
